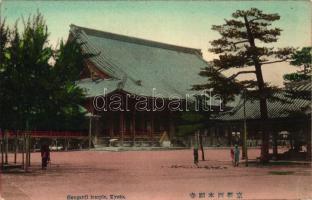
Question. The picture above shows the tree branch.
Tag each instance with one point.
(239, 42)
(276, 61)
(255, 19)
(243, 41)
(242, 72)
(219, 69)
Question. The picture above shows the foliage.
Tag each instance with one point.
(189, 122)
(4, 41)
(219, 84)
(244, 43)
(296, 77)
(301, 58)
(196, 119)
(33, 91)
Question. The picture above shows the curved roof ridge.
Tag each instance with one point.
(130, 39)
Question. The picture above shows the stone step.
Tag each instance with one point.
(142, 142)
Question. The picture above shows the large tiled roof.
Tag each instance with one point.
(137, 65)
(289, 106)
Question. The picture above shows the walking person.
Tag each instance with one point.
(236, 155)
(45, 156)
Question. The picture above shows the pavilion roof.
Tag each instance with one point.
(300, 89)
(300, 86)
(288, 106)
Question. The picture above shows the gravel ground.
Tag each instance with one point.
(159, 175)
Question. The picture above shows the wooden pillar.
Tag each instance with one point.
(142, 122)
(171, 126)
(242, 136)
(68, 143)
(6, 146)
(275, 145)
(90, 131)
(56, 144)
(2, 149)
(265, 146)
(211, 135)
(65, 144)
(226, 134)
(291, 140)
(309, 154)
(122, 127)
(133, 126)
(200, 135)
(15, 147)
(151, 131)
(308, 133)
(28, 149)
(229, 130)
(217, 135)
(26, 152)
(110, 117)
(23, 150)
(97, 129)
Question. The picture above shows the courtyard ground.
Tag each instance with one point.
(155, 175)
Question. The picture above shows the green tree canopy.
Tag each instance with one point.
(35, 92)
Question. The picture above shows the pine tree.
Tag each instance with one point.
(34, 93)
(245, 43)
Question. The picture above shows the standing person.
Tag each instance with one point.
(195, 152)
(45, 156)
(236, 155)
(232, 156)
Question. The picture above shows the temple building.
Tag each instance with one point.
(135, 89)
(289, 122)
(152, 80)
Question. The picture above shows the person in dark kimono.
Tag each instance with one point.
(195, 153)
(45, 155)
(236, 155)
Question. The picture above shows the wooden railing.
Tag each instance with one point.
(47, 134)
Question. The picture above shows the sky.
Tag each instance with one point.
(184, 23)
